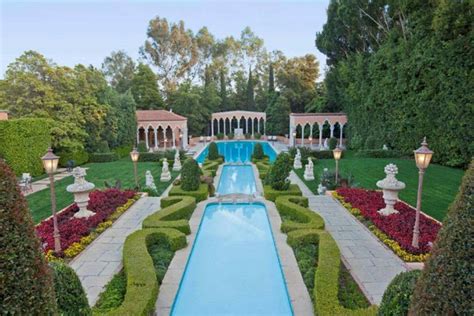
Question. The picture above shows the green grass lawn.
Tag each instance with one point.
(40, 202)
(440, 185)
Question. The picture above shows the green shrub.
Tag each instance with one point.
(213, 152)
(258, 151)
(209, 167)
(141, 147)
(305, 153)
(200, 194)
(371, 142)
(263, 166)
(445, 285)
(271, 194)
(113, 295)
(378, 153)
(279, 172)
(323, 154)
(190, 175)
(103, 157)
(257, 136)
(23, 142)
(332, 143)
(248, 136)
(153, 157)
(294, 209)
(142, 283)
(175, 213)
(79, 157)
(356, 142)
(70, 296)
(123, 151)
(230, 136)
(397, 296)
(103, 147)
(25, 278)
(220, 136)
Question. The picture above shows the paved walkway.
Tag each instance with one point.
(102, 259)
(370, 262)
(44, 183)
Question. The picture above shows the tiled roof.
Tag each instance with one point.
(158, 115)
(318, 114)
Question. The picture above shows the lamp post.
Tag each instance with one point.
(50, 164)
(134, 154)
(422, 158)
(294, 139)
(337, 152)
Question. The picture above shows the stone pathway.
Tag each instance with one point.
(102, 259)
(372, 264)
(44, 183)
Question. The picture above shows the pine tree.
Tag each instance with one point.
(250, 92)
(223, 92)
(145, 89)
(271, 80)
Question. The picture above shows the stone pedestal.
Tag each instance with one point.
(165, 172)
(390, 186)
(81, 189)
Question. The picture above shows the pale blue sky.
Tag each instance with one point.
(72, 32)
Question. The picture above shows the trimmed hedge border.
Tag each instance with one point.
(200, 194)
(209, 167)
(175, 213)
(142, 285)
(271, 194)
(295, 208)
(103, 157)
(263, 166)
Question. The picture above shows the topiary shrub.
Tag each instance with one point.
(257, 136)
(445, 285)
(371, 143)
(23, 142)
(103, 157)
(332, 143)
(230, 136)
(213, 153)
(277, 177)
(79, 157)
(70, 296)
(103, 147)
(123, 151)
(190, 175)
(141, 147)
(248, 136)
(397, 296)
(258, 151)
(220, 136)
(26, 283)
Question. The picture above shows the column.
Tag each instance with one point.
(218, 126)
(258, 126)
(146, 138)
(302, 134)
(292, 141)
(185, 138)
(138, 135)
(320, 136)
(253, 127)
(224, 127)
(212, 128)
(238, 123)
(264, 127)
(311, 135)
(155, 132)
(174, 138)
(331, 127)
(164, 138)
(341, 127)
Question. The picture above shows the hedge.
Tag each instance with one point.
(396, 298)
(263, 166)
(79, 157)
(23, 142)
(103, 157)
(175, 213)
(209, 167)
(190, 175)
(142, 284)
(271, 194)
(200, 194)
(378, 153)
(300, 217)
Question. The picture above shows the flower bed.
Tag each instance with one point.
(396, 230)
(77, 233)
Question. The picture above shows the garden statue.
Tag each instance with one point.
(308, 171)
(81, 189)
(384, 147)
(390, 186)
(326, 146)
(177, 162)
(321, 189)
(149, 181)
(297, 162)
(165, 172)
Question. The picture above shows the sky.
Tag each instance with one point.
(71, 32)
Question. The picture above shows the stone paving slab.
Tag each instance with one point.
(102, 259)
(371, 263)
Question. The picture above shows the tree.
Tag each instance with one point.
(224, 105)
(190, 175)
(250, 93)
(278, 112)
(119, 69)
(271, 80)
(213, 153)
(444, 287)
(26, 282)
(172, 49)
(279, 173)
(145, 89)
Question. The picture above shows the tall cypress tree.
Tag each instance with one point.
(223, 92)
(271, 80)
(250, 92)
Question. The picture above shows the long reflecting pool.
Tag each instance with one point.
(237, 179)
(238, 151)
(233, 268)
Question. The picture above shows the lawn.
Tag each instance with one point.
(40, 202)
(440, 187)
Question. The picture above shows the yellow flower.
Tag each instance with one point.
(73, 250)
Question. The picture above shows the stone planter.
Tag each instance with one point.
(81, 189)
(390, 187)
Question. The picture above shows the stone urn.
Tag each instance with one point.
(390, 186)
(81, 189)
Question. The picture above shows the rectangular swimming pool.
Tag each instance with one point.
(237, 179)
(233, 268)
(238, 151)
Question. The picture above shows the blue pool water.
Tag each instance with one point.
(237, 179)
(233, 268)
(238, 151)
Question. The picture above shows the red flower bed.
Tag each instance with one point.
(71, 229)
(398, 227)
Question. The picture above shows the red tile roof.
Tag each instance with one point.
(158, 115)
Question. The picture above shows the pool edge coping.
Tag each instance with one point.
(299, 297)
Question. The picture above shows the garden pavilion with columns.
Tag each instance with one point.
(320, 119)
(248, 121)
(161, 129)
